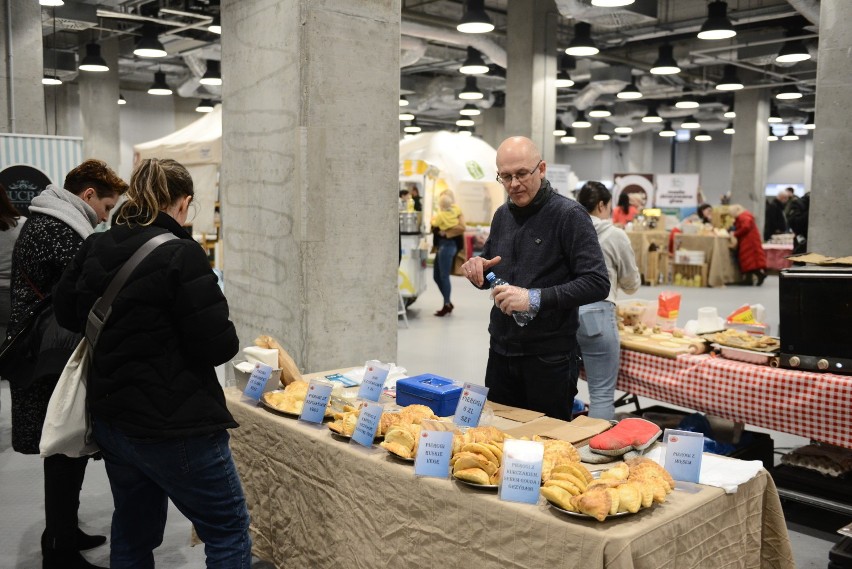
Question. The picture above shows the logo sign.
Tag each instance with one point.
(434, 449)
(368, 424)
(683, 454)
(257, 381)
(520, 478)
(375, 374)
(23, 183)
(316, 401)
(470, 405)
(474, 169)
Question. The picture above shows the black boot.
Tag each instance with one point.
(62, 558)
(86, 541)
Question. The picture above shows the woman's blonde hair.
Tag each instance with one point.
(154, 186)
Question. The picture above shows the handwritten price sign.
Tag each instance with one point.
(471, 402)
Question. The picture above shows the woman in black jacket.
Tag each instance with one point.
(158, 410)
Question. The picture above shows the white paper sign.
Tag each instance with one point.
(520, 479)
(683, 454)
(375, 374)
(676, 190)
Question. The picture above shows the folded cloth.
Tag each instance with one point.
(719, 471)
(254, 354)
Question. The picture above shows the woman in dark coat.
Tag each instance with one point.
(750, 253)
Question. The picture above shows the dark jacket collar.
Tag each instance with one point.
(544, 194)
(164, 221)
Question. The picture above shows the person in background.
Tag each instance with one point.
(10, 227)
(799, 223)
(447, 231)
(624, 211)
(775, 221)
(416, 199)
(791, 199)
(60, 219)
(404, 198)
(705, 213)
(746, 238)
(159, 414)
(545, 245)
(597, 335)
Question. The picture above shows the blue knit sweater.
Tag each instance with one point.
(550, 244)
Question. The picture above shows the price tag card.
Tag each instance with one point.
(257, 382)
(434, 449)
(520, 478)
(683, 454)
(368, 424)
(316, 401)
(470, 405)
(375, 374)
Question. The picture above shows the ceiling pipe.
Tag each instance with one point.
(411, 50)
(490, 49)
(807, 8)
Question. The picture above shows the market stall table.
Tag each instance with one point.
(722, 269)
(776, 256)
(813, 405)
(318, 502)
(640, 242)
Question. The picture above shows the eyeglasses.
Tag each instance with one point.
(522, 176)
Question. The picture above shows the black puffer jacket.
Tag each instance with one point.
(152, 373)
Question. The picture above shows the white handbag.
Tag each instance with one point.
(68, 427)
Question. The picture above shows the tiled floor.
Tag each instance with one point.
(455, 346)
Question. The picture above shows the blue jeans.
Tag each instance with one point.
(443, 266)
(601, 351)
(196, 473)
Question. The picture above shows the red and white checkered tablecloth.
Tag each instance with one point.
(813, 405)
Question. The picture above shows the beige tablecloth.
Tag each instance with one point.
(640, 242)
(318, 502)
(722, 269)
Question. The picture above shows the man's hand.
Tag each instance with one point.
(475, 268)
(509, 298)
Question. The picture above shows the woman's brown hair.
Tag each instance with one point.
(154, 185)
(8, 214)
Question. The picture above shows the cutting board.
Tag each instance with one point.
(648, 345)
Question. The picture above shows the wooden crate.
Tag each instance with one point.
(656, 269)
(689, 275)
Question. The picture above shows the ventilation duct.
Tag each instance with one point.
(603, 81)
(411, 50)
(605, 18)
(71, 17)
(195, 62)
(491, 50)
(441, 93)
(807, 8)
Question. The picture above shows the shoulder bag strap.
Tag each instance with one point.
(102, 309)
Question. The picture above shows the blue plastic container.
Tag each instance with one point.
(438, 393)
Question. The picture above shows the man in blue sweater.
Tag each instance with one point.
(545, 245)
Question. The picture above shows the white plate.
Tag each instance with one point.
(587, 516)
(475, 485)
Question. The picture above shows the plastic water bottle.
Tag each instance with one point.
(522, 318)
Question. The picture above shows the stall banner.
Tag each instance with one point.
(434, 449)
(30, 162)
(520, 478)
(316, 401)
(470, 405)
(677, 190)
(634, 184)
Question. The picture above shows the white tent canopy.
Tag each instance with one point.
(198, 147)
(464, 164)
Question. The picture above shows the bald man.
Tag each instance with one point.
(545, 245)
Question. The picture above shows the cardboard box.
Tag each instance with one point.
(577, 432)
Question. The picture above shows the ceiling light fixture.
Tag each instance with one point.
(406, 116)
(793, 50)
(789, 92)
(412, 128)
(474, 64)
(652, 116)
(466, 131)
(791, 134)
(772, 136)
(159, 86)
(560, 129)
(403, 102)
(580, 121)
(810, 123)
(51, 3)
(51, 80)
(601, 135)
(470, 92)
(465, 122)
(204, 106)
(687, 100)
(93, 60)
(666, 63)
(612, 3)
(475, 20)
(600, 112)
(668, 131)
(730, 113)
(563, 76)
(729, 129)
(774, 115)
(730, 80)
(149, 44)
(703, 136)
(213, 74)
(470, 110)
(121, 99)
(717, 26)
(630, 92)
(690, 122)
(582, 44)
(623, 129)
(569, 137)
(215, 26)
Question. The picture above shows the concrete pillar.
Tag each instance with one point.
(99, 108)
(750, 152)
(491, 125)
(831, 208)
(531, 72)
(310, 174)
(21, 91)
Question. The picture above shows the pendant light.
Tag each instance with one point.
(581, 44)
(687, 100)
(652, 116)
(54, 3)
(215, 26)
(623, 129)
(612, 3)
(580, 121)
(51, 80)
(560, 129)
(406, 116)
(774, 115)
(563, 76)
(690, 122)
(121, 99)
(213, 74)
(703, 136)
(630, 92)
(475, 20)
(666, 63)
(793, 50)
(717, 26)
(810, 123)
(730, 113)
(466, 130)
(772, 136)
(667, 131)
(789, 92)
(465, 121)
(412, 127)
(601, 135)
(474, 64)
(729, 129)
(791, 134)
(149, 44)
(730, 80)
(403, 102)
(93, 60)
(470, 110)
(600, 112)
(159, 86)
(470, 92)
(205, 106)
(569, 137)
